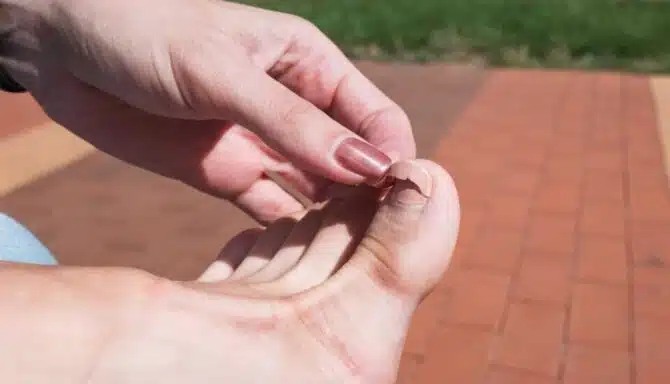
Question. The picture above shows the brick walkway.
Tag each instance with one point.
(561, 272)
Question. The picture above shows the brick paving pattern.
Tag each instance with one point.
(562, 269)
(561, 272)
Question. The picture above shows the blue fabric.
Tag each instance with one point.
(19, 245)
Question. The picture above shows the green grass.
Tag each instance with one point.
(611, 34)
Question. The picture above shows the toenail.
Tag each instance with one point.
(409, 171)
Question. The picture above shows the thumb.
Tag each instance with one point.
(409, 243)
(291, 125)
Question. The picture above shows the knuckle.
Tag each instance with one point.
(294, 114)
(301, 24)
(303, 30)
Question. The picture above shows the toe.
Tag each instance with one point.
(231, 256)
(410, 241)
(264, 249)
(293, 248)
(332, 245)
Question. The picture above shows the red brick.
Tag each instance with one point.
(590, 365)
(519, 181)
(453, 150)
(529, 156)
(652, 350)
(471, 219)
(474, 191)
(567, 145)
(455, 355)
(647, 177)
(637, 93)
(602, 218)
(603, 187)
(650, 205)
(641, 132)
(508, 211)
(640, 144)
(644, 157)
(608, 89)
(475, 298)
(532, 338)
(557, 197)
(649, 193)
(410, 364)
(500, 375)
(424, 324)
(604, 161)
(538, 136)
(651, 244)
(551, 234)
(575, 119)
(498, 142)
(600, 315)
(482, 161)
(651, 158)
(543, 279)
(652, 300)
(609, 140)
(460, 254)
(496, 249)
(608, 137)
(651, 276)
(564, 170)
(574, 125)
(602, 259)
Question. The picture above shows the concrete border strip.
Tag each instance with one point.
(35, 153)
(660, 86)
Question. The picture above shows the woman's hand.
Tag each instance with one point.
(212, 93)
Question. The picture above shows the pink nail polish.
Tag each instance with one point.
(362, 158)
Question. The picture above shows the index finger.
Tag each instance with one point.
(366, 110)
(337, 86)
(358, 104)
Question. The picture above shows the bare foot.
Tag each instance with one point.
(324, 297)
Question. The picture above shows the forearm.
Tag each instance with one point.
(55, 322)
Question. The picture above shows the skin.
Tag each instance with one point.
(336, 311)
(217, 95)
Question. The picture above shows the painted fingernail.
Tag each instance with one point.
(362, 158)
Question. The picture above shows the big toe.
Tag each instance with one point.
(409, 243)
(368, 305)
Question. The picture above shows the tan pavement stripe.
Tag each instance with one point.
(661, 89)
(32, 154)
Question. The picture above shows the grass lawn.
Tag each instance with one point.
(614, 34)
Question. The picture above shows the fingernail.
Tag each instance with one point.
(362, 158)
